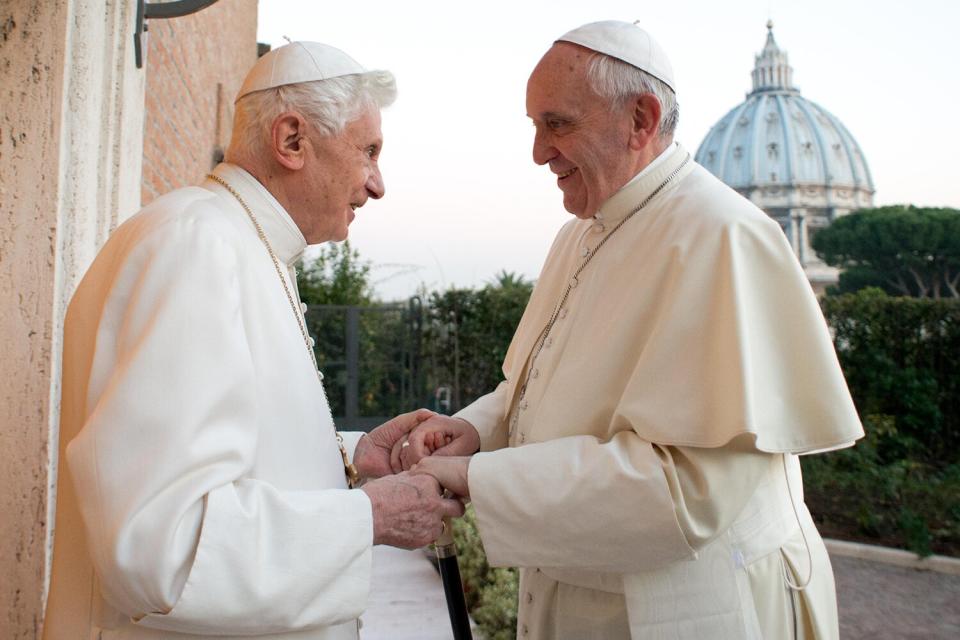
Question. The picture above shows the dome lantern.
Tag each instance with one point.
(772, 70)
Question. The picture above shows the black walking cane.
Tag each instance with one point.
(452, 587)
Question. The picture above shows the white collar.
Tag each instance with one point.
(649, 178)
(285, 237)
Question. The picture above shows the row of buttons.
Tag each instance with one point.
(534, 374)
(528, 597)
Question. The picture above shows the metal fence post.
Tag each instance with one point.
(353, 365)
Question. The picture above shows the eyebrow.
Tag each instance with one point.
(547, 115)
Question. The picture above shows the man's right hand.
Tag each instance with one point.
(438, 435)
(408, 509)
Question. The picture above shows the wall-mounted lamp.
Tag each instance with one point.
(161, 11)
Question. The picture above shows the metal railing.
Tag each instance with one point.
(370, 358)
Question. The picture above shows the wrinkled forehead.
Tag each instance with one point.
(563, 60)
(559, 78)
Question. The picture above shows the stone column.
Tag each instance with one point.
(71, 136)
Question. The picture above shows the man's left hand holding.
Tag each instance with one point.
(372, 455)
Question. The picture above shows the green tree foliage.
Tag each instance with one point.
(904, 250)
(337, 276)
(335, 285)
(467, 333)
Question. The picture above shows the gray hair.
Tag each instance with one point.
(621, 82)
(329, 105)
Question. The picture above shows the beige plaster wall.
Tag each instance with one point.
(71, 158)
(31, 43)
(71, 103)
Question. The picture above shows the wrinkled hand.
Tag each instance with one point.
(372, 455)
(438, 436)
(450, 472)
(408, 509)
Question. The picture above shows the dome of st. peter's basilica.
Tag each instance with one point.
(790, 157)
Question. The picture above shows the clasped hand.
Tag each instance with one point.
(412, 459)
(440, 446)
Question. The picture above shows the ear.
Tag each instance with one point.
(646, 121)
(287, 142)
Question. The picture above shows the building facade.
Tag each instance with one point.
(791, 157)
(85, 136)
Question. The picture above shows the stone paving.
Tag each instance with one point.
(406, 600)
(877, 601)
(883, 602)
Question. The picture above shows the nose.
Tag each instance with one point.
(543, 151)
(375, 186)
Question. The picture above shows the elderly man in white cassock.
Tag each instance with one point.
(205, 491)
(639, 461)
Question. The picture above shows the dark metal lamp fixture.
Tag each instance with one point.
(161, 11)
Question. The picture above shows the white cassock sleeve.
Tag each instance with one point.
(623, 506)
(182, 537)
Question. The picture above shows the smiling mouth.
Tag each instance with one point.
(566, 174)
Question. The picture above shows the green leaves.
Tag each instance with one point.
(468, 332)
(337, 276)
(901, 358)
(900, 485)
(905, 250)
(491, 592)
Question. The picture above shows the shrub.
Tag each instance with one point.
(900, 485)
(854, 494)
(491, 593)
(901, 358)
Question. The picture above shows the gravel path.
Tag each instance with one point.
(883, 602)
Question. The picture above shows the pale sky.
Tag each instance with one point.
(464, 198)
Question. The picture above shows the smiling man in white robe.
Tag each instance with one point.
(203, 489)
(639, 461)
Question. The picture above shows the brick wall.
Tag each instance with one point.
(194, 67)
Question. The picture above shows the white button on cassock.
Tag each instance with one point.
(312, 342)
(303, 307)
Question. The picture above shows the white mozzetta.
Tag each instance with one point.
(649, 458)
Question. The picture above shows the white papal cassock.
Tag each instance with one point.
(203, 491)
(647, 482)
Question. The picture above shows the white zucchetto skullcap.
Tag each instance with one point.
(298, 62)
(627, 42)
